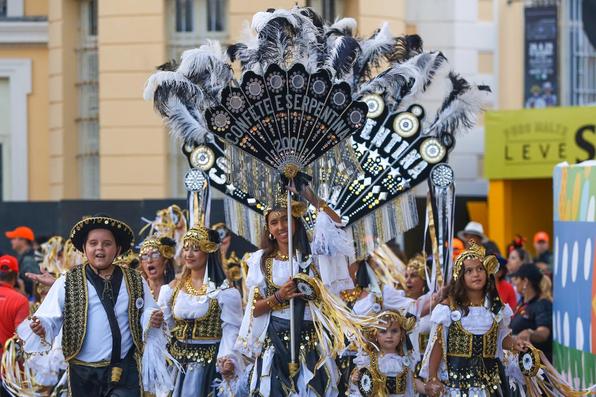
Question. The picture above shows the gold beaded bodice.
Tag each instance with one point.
(393, 384)
(462, 343)
(471, 359)
(208, 326)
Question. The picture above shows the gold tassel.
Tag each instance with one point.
(16, 374)
(337, 320)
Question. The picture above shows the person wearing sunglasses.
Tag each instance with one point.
(157, 262)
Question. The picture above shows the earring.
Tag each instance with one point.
(271, 237)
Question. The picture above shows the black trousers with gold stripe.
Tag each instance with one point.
(86, 380)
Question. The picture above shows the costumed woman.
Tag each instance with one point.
(157, 262)
(265, 332)
(112, 326)
(418, 291)
(386, 368)
(204, 313)
(470, 330)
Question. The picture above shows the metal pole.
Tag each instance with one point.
(291, 259)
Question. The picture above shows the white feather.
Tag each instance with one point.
(198, 59)
(345, 24)
(247, 36)
(262, 18)
(183, 124)
(431, 87)
(157, 79)
(382, 38)
(461, 111)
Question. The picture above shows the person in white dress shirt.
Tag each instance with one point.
(105, 310)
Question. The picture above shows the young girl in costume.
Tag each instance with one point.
(470, 330)
(203, 313)
(388, 368)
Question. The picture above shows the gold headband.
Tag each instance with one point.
(298, 208)
(490, 262)
(418, 263)
(406, 323)
(154, 243)
(200, 235)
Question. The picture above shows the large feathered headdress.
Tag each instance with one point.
(367, 118)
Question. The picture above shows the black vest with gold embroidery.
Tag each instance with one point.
(397, 384)
(76, 305)
(208, 326)
(472, 359)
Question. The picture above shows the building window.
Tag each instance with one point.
(580, 64)
(183, 15)
(92, 17)
(3, 7)
(190, 23)
(215, 15)
(330, 10)
(87, 89)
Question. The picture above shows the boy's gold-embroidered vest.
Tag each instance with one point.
(76, 304)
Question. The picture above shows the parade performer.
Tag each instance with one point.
(470, 330)
(365, 286)
(204, 313)
(265, 331)
(157, 262)
(168, 222)
(106, 312)
(417, 290)
(387, 368)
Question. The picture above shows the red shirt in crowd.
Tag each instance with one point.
(14, 308)
(507, 294)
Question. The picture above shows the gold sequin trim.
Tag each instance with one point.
(193, 352)
(134, 286)
(75, 312)
(271, 287)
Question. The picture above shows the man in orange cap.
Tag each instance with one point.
(14, 307)
(21, 240)
(543, 258)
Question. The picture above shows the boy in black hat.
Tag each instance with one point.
(103, 310)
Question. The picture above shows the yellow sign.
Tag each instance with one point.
(528, 143)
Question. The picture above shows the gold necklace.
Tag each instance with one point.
(281, 257)
(191, 290)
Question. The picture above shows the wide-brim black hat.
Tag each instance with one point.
(121, 231)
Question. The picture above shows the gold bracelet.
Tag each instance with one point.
(269, 303)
